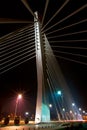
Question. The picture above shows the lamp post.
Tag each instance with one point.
(17, 100)
(61, 105)
(74, 111)
(61, 96)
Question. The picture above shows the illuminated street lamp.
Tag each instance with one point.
(26, 113)
(19, 97)
(83, 112)
(70, 111)
(50, 105)
(63, 109)
(59, 92)
(61, 96)
(73, 104)
(80, 109)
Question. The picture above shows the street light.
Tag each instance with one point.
(61, 96)
(50, 105)
(83, 112)
(17, 100)
(26, 113)
(59, 92)
(63, 109)
(61, 103)
(73, 104)
(80, 109)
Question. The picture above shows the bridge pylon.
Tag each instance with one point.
(42, 106)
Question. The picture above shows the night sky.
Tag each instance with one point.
(23, 78)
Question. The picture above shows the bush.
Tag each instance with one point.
(26, 120)
(6, 121)
(17, 120)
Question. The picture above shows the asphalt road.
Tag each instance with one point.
(47, 126)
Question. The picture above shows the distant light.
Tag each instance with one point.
(50, 105)
(80, 109)
(26, 113)
(70, 111)
(83, 111)
(63, 109)
(59, 93)
(73, 104)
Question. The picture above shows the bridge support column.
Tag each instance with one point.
(42, 109)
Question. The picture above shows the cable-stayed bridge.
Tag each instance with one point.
(42, 40)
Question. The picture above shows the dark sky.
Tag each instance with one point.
(23, 77)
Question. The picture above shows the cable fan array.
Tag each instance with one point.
(16, 48)
(69, 41)
(66, 40)
(56, 81)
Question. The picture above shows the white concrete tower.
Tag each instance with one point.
(42, 109)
